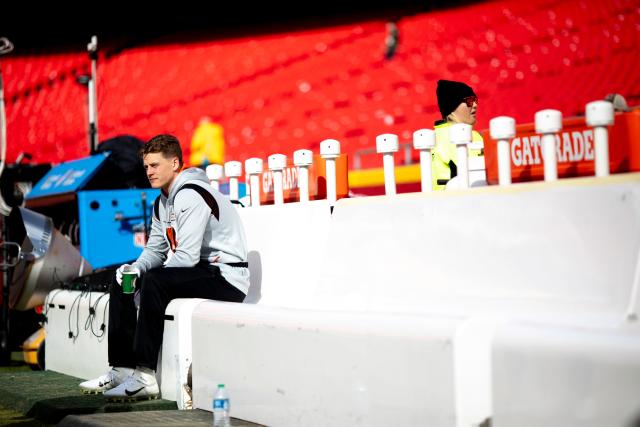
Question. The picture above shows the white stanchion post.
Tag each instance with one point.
(503, 129)
(233, 170)
(303, 159)
(460, 135)
(330, 150)
(424, 140)
(277, 163)
(548, 123)
(247, 187)
(387, 144)
(215, 174)
(253, 168)
(599, 116)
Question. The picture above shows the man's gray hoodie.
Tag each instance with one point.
(199, 234)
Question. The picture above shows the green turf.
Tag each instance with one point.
(49, 396)
(11, 417)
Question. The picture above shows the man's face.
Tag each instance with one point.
(161, 171)
(465, 113)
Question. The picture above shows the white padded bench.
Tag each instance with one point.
(411, 281)
(270, 230)
(285, 245)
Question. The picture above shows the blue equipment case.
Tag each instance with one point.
(110, 222)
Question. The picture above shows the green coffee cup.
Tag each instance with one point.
(129, 282)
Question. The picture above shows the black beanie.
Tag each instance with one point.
(450, 94)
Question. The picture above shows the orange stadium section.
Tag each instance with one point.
(285, 91)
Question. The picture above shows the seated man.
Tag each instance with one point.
(208, 259)
(458, 103)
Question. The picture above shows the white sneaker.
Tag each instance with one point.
(139, 385)
(111, 379)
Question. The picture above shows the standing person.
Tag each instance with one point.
(207, 144)
(458, 103)
(196, 249)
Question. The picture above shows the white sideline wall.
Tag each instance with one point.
(286, 243)
(286, 367)
(562, 253)
(565, 377)
(542, 248)
(85, 356)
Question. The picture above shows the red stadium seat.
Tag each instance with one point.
(281, 92)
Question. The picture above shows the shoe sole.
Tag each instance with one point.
(125, 399)
(84, 391)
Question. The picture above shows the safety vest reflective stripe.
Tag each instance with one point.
(445, 152)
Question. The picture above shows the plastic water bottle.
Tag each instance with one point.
(221, 407)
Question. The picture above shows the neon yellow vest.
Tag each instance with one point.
(444, 152)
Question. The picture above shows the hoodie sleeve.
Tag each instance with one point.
(155, 251)
(192, 216)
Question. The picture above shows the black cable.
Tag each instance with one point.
(89, 321)
(88, 325)
(76, 300)
(103, 326)
(56, 279)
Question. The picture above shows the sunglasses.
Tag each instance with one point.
(469, 100)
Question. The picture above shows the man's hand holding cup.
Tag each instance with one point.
(126, 276)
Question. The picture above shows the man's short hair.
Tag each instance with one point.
(168, 145)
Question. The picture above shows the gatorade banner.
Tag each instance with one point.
(574, 149)
(317, 181)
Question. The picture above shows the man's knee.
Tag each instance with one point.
(152, 279)
(153, 274)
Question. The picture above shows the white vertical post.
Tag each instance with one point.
(92, 102)
(330, 150)
(253, 168)
(503, 129)
(424, 140)
(460, 135)
(548, 123)
(599, 116)
(277, 163)
(303, 159)
(387, 144)
(247, 186)
(233, 170)
(215, 174)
